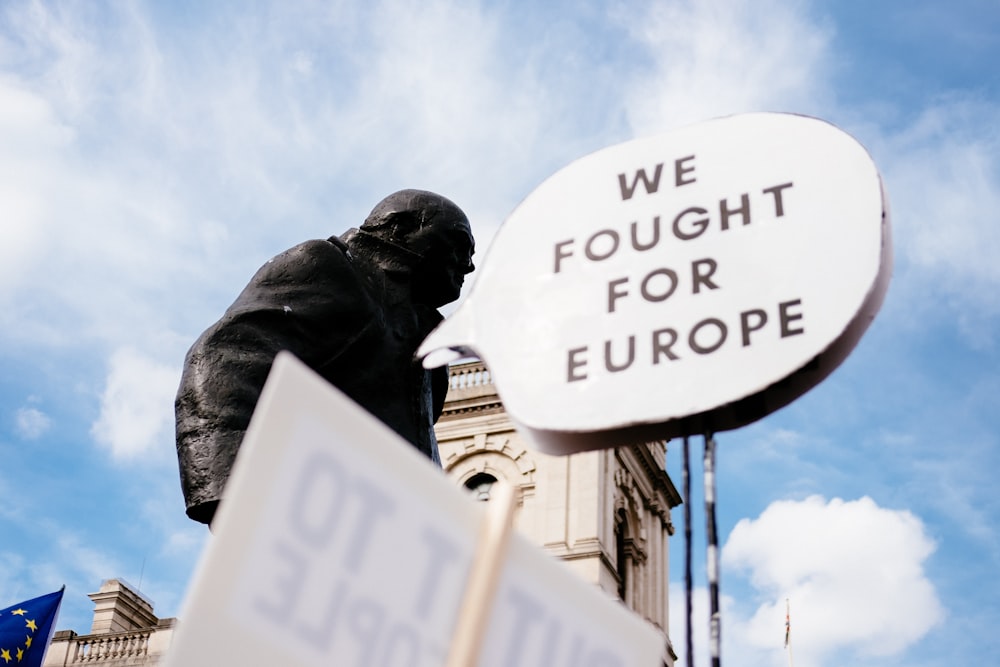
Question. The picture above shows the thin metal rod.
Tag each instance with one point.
(688, 577)
(712, 540)
(788, 632)
(484, 576)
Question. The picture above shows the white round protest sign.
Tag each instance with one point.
(693, 281)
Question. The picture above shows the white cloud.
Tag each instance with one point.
(943, 173)
(960, 486)
(854, 573)
(32, 135)
(149, 170)
(468, 117)
(167, 162)
(11, 582)
(85, 226)
(32, 423)
(719, 57)
(942, 163)
(137, 405)
(89, 563)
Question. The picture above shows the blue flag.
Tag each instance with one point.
(26, 628)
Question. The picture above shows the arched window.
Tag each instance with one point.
(480, 485)
(621, 559)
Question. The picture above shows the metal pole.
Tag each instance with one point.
(788, 632)
(688, 578)
(715, 632)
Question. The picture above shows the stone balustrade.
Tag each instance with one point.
(107, 648)
(470, 374)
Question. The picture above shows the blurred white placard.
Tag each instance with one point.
(692, 281)
(338, 544)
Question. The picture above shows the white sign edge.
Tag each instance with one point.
(199, 643)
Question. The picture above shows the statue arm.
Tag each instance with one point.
(307, 300)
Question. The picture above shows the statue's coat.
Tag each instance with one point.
(355, 326)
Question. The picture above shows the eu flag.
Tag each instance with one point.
(25, 630)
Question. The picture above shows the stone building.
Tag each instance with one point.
(124, 632)
(606, 513)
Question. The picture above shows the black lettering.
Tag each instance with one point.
(613, 294)
(707, 349)
(680, 170)
(560, 255)
(700, 224)
(610, 365)
(589, 249)
(656, 235)
(725, 212)
(649, 296)
(747, 327)
(699, 277)
(664, 349)
(787, 318)
(574, 363)
(779, 206)
(651, 187)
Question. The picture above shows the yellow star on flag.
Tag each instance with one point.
(38, 615)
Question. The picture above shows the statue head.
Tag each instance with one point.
(433, 235)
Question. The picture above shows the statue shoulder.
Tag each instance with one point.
(330, 254)
(309, 260)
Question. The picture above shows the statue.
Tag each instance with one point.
(354, 308)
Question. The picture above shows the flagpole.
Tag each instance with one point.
(788, 632)
(712, 557)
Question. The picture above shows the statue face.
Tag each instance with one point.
(446, 247)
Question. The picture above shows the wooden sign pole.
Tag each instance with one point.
(484, 576)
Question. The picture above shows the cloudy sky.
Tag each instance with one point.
(154, 154)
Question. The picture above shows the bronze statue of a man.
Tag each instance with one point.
(354, 308)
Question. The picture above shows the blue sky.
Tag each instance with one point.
(153, 155)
